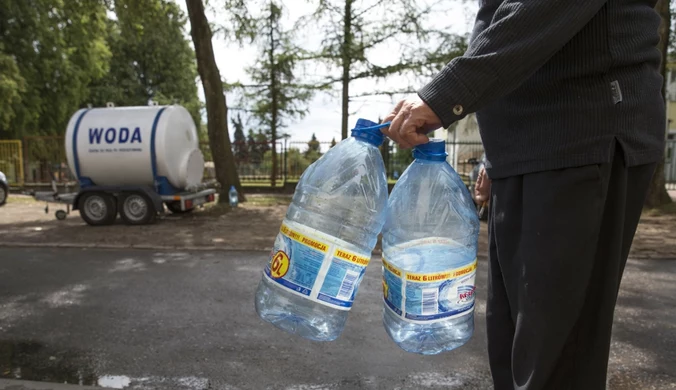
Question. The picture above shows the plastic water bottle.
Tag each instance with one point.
(233, 196)
(430, 242)
(326, 239)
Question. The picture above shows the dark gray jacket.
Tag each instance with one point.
(555, 82)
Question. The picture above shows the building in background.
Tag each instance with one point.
(463, 144)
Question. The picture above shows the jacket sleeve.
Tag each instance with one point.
(521, 37)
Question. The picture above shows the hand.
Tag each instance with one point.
(482, 188)
(411, 120)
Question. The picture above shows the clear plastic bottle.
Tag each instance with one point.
(430, 242)
(326, 239)
(233, 196)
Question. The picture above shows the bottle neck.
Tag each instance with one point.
(429, 157)
(369, 132)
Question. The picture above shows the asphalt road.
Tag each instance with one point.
(160, 320)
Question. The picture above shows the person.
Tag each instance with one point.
(568, 99)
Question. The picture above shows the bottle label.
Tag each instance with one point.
(316, 266)
(431, 297)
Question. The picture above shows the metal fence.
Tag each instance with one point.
(670, 164)
(45, 156)
(255, 160)
(35, 159)
(11, 161)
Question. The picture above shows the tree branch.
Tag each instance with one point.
(385, 93)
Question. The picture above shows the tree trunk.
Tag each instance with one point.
(347, 61)
(657, 193)
(274, 92)
(217, 110)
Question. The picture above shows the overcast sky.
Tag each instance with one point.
(323, 117)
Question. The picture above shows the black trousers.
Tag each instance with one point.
(559, 241)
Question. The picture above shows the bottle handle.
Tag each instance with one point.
(376, 127)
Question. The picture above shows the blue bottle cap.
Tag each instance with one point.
(369, 131)
(233, 188)
(434, 150)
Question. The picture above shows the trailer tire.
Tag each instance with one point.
(97, 208)
(4, 193)
(136, 208)
(175, 207)
(60, 215)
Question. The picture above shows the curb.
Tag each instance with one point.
(13, 384)
(138, 247)
(69, 245)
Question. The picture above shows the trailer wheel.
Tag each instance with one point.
(136, 208)
(60, 215)
(4, 192)
(97, 208)
(175, 207)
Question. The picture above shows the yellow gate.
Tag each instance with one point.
(11, 161)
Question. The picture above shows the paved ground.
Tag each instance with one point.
(160, 320)
(252, 226)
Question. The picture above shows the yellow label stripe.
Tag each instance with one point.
(444, 275)
(424, 278)
(296, 236)
(352, 257)
(391, 268)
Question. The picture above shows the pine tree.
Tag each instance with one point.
(275, 97)
(313, 149)
(349, 38)
(239, 143)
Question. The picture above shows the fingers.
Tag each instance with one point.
(395, 128)
(482, 188)
(409, 131)
(388, 130)
(410, 121)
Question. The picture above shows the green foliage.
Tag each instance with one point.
(51, 51)
(313, 151)
(354, 30)
(152, 58)
(258, 144)
(385, 149)
(12, 86)
(275, 96)
(57, 56)
(401, 159)
(241, 149)
(296, 161)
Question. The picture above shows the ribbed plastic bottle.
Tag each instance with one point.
(430, 242)
(326, 239)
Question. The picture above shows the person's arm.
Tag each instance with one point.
(523, 35)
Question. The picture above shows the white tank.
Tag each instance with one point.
(120, 146)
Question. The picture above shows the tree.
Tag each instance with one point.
(401, 159)
(385, 152)
(152, 59)
(240, 144)
(657, 192)
(262, 141)
(51, 51)
(313, 144)
(351, 33)
(252, 147)
(333, 142)
(313, 149)
(217, 110)
(12, 86)
(275, 96)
